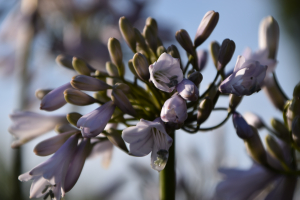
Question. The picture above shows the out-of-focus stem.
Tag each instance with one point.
(167, 177)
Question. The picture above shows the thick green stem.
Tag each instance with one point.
(167, 177)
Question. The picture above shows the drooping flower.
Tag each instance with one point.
(247, 78)
(93, 123)
(166, 72)
(29, 125)
(174, 111)
(187, 90)
(55, 99)
(148, 137)
(49, 176)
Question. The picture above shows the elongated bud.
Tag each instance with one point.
(77, 97)
(275, 95)
(202, 59)
(73, 118)
(82, 82)
(128, 33)
(234, 101)
(151, 37)
(132, 69)
(122, 86)
(160, 50)
(204, 110)
(62, 128)
(111, 69)
(185, 41)
(152, 22)
(196, 78)
(296, 93)
(256, 148)
(269, 36)
(41, 93)
(122, 102)
(207, 25)
(114, 136)
(281, 130)
(65, 61)
(115, 51)
(81, 66)
(226, 52)
(141, 41)
(243, 130)
(173, 51)
(101, 96)
(274, 148)
(214, 51)
(254, 120)
(141, 66)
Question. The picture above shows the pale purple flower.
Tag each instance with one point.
(29, 125)
(93, 123)
(247, 78)
(202, 59)
(148, 137)
(262, 57)
(50, 175)
(166, 72)
(253, 120)
(174, 111)
(55, 99)
(187, 90)
(243, 184)
(243, 130)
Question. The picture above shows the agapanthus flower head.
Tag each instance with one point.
(166, 72)
(148, 137)
(93, 123)
(187, 90)
(174, 111)
(247, 78)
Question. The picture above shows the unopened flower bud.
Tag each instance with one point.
(275, 95)
(234, 101)
(65, 61)
(141, 42)
(160, 50)
(243, 130)
(131, 68)
(82, 82)
(73, 118)
(226, 52)
(214, 51)
(207, 25)
(77, 97)
(141, 66)
(152, 22)
(151, 37)
(115, 51)
(274, 148)
(174, 111)
(185, 41)
(115, 138)
(81, 66)
(111, 69)
(62, 128)
(188, 90)
(122, 86)
(269, 36)
(122, 102)
(204, 110)
(253, 120)
(281, 131)
(196, 78)
(202, 59)
(101, 96)
(296, 93)
(256, 148)
(128, 33)
(41, 93)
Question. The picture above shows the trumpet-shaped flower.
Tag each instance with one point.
(93, 123)
(55, 99)
(247, 78)
(166, 72)
(148, 137)
(29, 125)
(187, 90)
(174, 111)
(49, 177)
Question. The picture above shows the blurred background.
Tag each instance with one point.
(33, 33)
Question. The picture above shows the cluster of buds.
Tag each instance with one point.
(163, 97)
